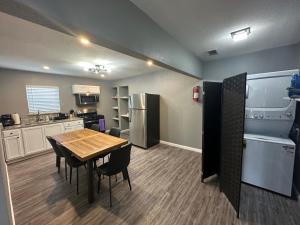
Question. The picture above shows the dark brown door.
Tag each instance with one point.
(232, 133)
(211, 130)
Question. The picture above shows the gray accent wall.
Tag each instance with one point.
(116, 24)
(180, 117)
(13, 92)
(276, 59)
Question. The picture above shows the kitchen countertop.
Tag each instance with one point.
(41, 123)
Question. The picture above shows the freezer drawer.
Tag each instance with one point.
(269, 164)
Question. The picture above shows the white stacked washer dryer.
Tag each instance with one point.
(268, 159)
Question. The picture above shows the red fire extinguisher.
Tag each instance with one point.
(196, 93)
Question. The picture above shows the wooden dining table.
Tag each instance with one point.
(86, 145)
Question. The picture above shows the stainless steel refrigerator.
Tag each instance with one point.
(144, 119)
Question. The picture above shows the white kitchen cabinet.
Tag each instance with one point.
(34, 139)
(51, 130)
(73, 125)
(13, 144)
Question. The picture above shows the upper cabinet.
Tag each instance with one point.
(85, 89)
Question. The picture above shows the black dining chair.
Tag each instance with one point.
(58, 153)
(95, 127)
(113, 132)
(116, 132)
(118, 162)
(72, 162)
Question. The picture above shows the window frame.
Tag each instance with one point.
(27, 86)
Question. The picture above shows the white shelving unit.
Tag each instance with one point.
(120, 117)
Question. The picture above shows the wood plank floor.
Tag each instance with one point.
(166, 190)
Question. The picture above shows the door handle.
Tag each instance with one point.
(244, 143)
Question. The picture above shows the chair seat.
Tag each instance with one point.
(105, 169)
(74, 162)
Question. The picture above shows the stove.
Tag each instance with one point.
(90, 117)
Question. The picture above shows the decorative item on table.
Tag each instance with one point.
(294, 89)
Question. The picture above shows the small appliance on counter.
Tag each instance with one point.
(16, 118)
(7, 120)
(61, 116)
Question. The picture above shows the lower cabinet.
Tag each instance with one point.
(30, 140)
(34, 139)
(13, 147)
(51, 130)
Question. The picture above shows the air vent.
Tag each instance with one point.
(213, 52)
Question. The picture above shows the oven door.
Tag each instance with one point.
(86, 99)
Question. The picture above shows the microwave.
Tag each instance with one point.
(86, 99)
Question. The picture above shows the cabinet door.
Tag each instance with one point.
(13, 147)
(34, 140)
(51, 130)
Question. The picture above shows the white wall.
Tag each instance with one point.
(180, 117)
(276, 59)
(118, 25)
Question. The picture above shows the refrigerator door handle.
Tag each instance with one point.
(130, 114)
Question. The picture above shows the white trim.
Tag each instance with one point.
(182, 146)
(6, 183)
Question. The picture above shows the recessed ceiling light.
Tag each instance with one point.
(84, 41)
(240, 34)
(46, 67)
(102, 75)
(86, 69)
(150, 62)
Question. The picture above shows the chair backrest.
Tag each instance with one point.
(120, 158)
(95, 127)
(66, 153)
(54, 146)
(115, 132)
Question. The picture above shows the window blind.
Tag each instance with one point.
(44, 99)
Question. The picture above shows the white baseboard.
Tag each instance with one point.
(181, 146)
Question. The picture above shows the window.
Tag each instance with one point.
(44, 99)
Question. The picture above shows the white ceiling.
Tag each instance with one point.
(203, 25)
(28, 46)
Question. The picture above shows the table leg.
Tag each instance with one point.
(90, 181)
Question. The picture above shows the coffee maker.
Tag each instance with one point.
(7, 120)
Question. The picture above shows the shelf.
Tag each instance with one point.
(124, 115)
(114, 97)
(115, 118)
(124, 97)
(116, 107)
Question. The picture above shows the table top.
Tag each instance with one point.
(86, 144)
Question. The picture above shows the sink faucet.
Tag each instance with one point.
(38, 116)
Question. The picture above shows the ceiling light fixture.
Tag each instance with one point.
(97, 69)
(150, 62)
(240, 34)
(46, 67)
(84, 41)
